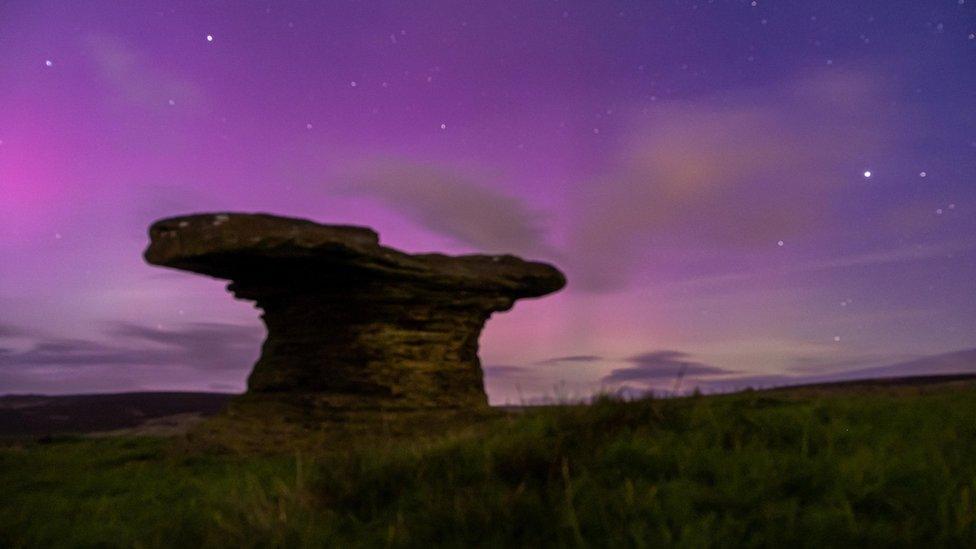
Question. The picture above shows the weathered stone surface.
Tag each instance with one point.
(353, 324)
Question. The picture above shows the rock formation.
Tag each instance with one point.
(353, 324)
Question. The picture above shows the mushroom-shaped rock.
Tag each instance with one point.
(350, 322)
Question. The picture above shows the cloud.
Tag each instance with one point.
(71, 352)
(134, 77)
(734, 172)
(572, 358)
(659, 366)
(200, 344)
(61, 380)
(916, 252)
(891, 256)
(451, 203)
(503, 371)
(196, 346)
(9, 330)
(225, 387)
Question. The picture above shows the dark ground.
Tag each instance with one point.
(877, 464)
(40, 415)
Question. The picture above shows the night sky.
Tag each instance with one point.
(746, 192)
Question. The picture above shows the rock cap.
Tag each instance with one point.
(256, 246)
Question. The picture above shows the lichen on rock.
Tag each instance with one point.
(353, 324)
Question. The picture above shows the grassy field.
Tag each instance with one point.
(751, 469)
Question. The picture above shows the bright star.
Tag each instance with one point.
(867, 173)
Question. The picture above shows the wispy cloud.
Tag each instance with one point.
(198, 346)
(73, 352)
(450, 202)
(503, 370)
(571, 358)
(905, 254)
(134, 78)
(727, 173)
(9, 330)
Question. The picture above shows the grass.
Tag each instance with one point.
(751, 469)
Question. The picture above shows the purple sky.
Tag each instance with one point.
(698, 169)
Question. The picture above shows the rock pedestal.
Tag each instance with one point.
(353, 324)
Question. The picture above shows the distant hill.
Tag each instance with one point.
(958, 362)
(922, 370)
(879, 383)
(38, 415)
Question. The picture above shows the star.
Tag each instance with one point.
(867, 174)
(209, 38)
